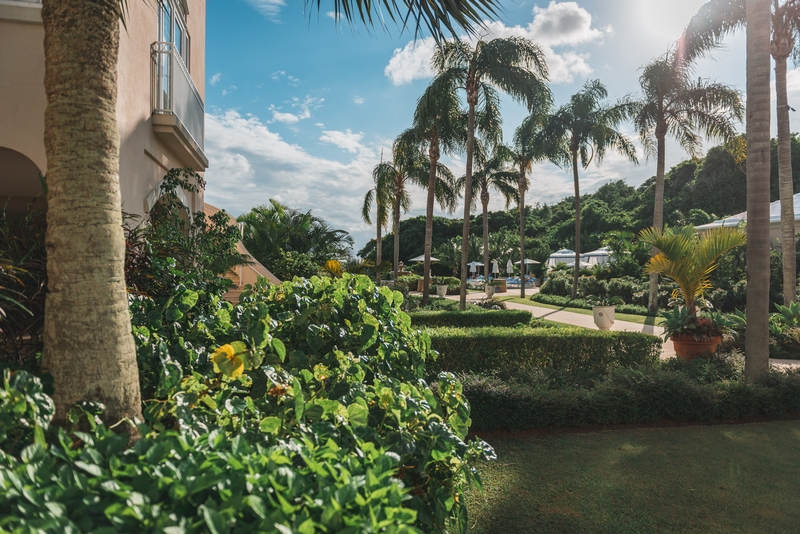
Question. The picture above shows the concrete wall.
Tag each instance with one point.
(144, 159)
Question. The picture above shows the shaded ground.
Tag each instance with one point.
(704, 479)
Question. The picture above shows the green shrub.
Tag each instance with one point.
(409, 281)
(557, 283)
(625, 288)
(589, 285)
(567, 302)
(482, 349)
(629, 396)
(302, 409)
(470, 319)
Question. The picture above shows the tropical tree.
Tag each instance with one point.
(705, 31)
(493, 172)
(410, 165)
(514, 65)
(381, 196)
(675, 103)
(530, 146)
(85, 241)
(587, 127)
(440, 126)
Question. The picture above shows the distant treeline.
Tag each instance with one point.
(696, 192)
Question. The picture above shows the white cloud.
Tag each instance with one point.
(249, 164)
(281, 75)
(358, 99)
(412, 62)
(215, 78)
(269, 8)
(304, 107)
(564, 24)
(346, 140)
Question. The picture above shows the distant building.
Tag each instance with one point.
(774, 221)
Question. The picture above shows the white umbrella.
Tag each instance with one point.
(509, 267)
(472, 268)
(495, 267)
(527, 262)
(422, 258)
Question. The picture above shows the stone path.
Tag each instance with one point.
(586, 321)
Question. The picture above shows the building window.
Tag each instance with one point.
(172, 28)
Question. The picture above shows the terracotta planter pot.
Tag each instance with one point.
(688, 348)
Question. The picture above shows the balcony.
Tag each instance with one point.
(178, 111)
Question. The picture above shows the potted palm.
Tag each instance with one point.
(603, 309)
(688, 258)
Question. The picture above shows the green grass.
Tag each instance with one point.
(703, 479)
(631, 318)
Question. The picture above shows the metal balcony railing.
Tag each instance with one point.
(174, 92)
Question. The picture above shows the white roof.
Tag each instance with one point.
(774, 215)
(605, 251)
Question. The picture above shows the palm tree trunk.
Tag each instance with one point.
(658, 219)
(472, 100)
(378, 254)
(485, 205)
(577, 224)
(786, 185)
(522, 230)
(88, 344)
(433, 155)
(758, 168)
(396, 231)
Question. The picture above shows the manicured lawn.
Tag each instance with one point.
(704, 479)
(631, 318)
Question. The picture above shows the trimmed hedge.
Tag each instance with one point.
(567, 302)
(628, 396)
(567, 349)
(470, 319)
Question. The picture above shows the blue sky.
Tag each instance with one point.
(299, 109)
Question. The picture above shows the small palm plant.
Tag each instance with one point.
(688, 258)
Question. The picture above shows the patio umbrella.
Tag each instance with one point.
(495, 267)
(509, 267)
(422, 258)
(472, 268)
(527, 262)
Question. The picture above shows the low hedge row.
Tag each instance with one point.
(567, 302)
(628, 397)
(470, 319)
(568, 349)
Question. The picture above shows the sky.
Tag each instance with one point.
(300, 108)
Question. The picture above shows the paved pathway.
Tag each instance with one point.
(586, 321)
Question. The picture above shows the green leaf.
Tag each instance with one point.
(358, 415)
(279, 348)
(216, 524)
(299, 400)
(270, 425)
(189, 299)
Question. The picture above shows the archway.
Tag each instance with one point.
(20, 183)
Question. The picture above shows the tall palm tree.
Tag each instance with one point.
(493, 172)
(530, 146)
(675, 103)
(758, 155)
(381, 195)
(514, 65)
(587, 128)
(440, 125)
(705, 31)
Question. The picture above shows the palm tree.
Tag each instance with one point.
(514, 65)
(758, 154)
(440, 126)
(530, 146)
(492, 173)
(706, 29)
(587, 128)
(381, 195)
(675, 103)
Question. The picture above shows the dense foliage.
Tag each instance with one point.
(669, 391)
(470, 319)
(567, 349)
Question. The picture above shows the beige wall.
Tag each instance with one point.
(144, 158)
